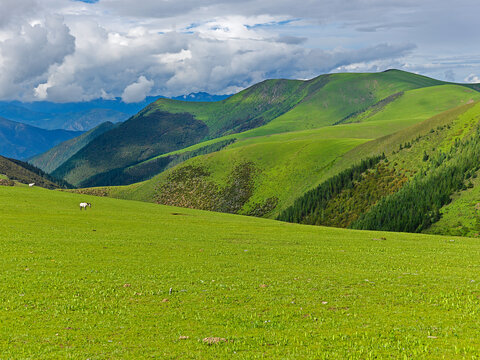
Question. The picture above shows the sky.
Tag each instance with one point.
(72, 50)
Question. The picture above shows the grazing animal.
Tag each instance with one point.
(84, 205)
(31, 185)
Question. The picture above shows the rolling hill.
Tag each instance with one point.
(270, 107)
(280, 168)
(22, 141)
(425, 166)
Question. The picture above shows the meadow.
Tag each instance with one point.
(128, 279)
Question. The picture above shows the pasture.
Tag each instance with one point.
(135, 280)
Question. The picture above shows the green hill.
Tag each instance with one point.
(434, 161)
(55, 157)
(18, 173)
(127, 279)
(280, 168)
(273, 106)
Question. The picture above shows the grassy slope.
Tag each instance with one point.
(417, 105)
(321, 101)
(256, 105)
(139, 138)
(15, 171)
(55, 157)
(287, 164)
(436, 134)
(291, 163)
(462, 215)
(271, 289)
(344, 95)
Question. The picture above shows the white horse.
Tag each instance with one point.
(84, 205)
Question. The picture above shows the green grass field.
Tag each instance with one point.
(420, 104)
(96, 284)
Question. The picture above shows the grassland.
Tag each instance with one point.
(96, 284)
(420, 104)
(462, 215)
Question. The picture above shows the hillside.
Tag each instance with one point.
(102, 281)
(15, 172)
(56, 156)
(273, 106)
(137, 139)
(412, 188)
(22, 141)
(272, 171)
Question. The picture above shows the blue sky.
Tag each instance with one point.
(66, 50)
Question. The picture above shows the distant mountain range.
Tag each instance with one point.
(83, 116)
(201, 97)
(21, 141)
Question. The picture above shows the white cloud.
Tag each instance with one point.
(472, 78)
(137, 91)
(26, 57)
(12, 10)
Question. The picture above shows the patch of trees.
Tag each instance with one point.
(309, 207)
(417, 205)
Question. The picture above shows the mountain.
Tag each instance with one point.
(270, 107)
(22, 141)
(81, 120)
(15, 172)
(56, 156)
(407, 162)
(84, 116)
(423, 178)
(201, 97)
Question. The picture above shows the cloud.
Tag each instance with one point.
(137, 91)
(13, 10)
(26, 57)
(472, 78)
(293, 40)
